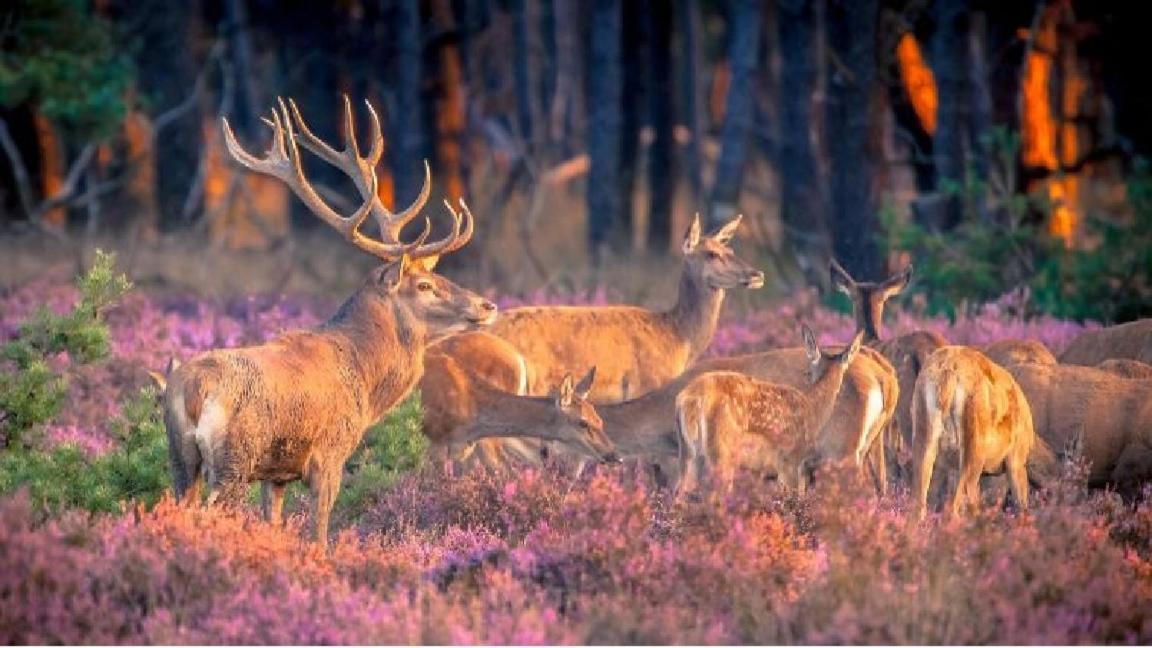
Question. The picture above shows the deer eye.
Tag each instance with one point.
(585, 425)
(424, 286)
(713, 256)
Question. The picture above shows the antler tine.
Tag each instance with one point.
(377, 149)
(469, 226)
(391, 224)
(350, 143)
(452, 241)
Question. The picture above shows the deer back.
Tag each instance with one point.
(1132, 340)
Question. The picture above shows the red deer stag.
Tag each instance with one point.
(297, 406)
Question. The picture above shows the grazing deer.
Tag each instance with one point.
(1126, 368)
(487, 411)
(1132, 341)
(297, 406)
(727, 420)
(1010, 352)
(634, 349)
(1106, 416)
(973, 408)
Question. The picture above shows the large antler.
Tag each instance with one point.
(283, 161)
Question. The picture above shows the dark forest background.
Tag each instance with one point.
(998, 144)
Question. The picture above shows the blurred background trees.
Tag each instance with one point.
(869, 129)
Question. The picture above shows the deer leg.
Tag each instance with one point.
(1018, 479)
(272, 501)
(922, 472)
(967, 487)
(325, 488)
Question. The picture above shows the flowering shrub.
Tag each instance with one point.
(543, 557)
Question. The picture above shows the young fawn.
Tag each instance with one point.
(973, 409)
(297, 406)
(727, 420)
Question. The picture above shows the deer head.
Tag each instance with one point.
(820, 361)
(710, 258)
(407, 278)
(577, 422)
(868, 298)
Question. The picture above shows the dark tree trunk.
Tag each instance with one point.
(521, 73)
(567, 108)
(802, 208)
(852, 40)
(407, 121)
(636, 91)
(743, 50)
(167, 73)
(688, 16)
(548, 67)
(981, 118)
(950, 62)
(662, 155)
(604, 123)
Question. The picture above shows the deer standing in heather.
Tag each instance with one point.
(489, 413)
(727, 420)
(1105, 415)
(634, 349)
(297, 406)
(974, 409)
(1132, 340)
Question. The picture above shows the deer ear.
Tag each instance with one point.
(585, 385)
(724, 234)
(392, 274)
(896, 284)
(811, 349)
(692, 238)
(566, 393)
(840, 278)
(848, 354)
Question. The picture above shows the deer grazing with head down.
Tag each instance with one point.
(297, 406)
(974, 410)
(635, 350)
(490, 414)
(727, 421)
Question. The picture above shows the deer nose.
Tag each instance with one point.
(755, 279)
(487, 306)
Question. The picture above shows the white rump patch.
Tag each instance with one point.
(213, 418)
(873, 408)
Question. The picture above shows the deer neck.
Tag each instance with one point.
(499, 414)
(822, 396)
(869, 320)
(642, 426)
(382, 345)
(696, 313)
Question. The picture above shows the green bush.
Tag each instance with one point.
(1002, 244)
(391, 448)
(67, 478)
(30, 392)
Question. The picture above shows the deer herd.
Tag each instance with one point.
(501, 393)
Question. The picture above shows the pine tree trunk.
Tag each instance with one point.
(167, 72)
(688, 16)
(407, 121)
(950, 58)
(604, 123)
(802, 208)
(743, 50)
(662, 154)
(852, 40)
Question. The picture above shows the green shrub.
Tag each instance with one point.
(67, 478)
(391, 448)
(30, 392)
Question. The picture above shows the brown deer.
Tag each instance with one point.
(905, 353)
(1010, 352)
(1105, 416)
(1132, 340)
(489, 413)
(727, 420)
(634, 349)
(1126, 368)
(974, 409)
(297, 406)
